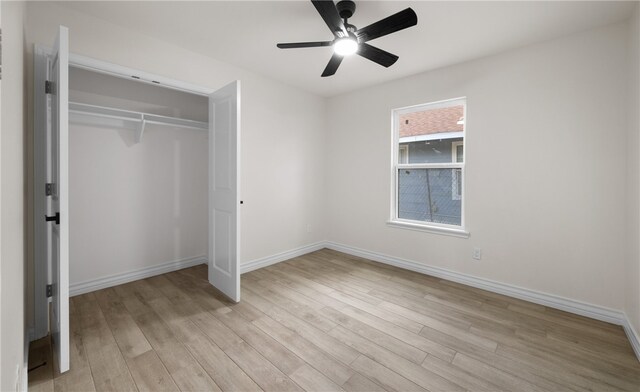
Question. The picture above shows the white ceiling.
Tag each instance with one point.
(245, 33)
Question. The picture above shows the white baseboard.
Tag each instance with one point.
(550, 300)
(24, 374)
(279, 257)
(130, 276)
(633, 336)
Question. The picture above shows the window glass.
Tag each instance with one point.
(427, 195)
(429, 133)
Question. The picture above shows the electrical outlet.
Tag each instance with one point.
(308, 228)
(477, 253)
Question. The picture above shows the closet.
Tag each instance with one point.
(135, 175)
(138, 178)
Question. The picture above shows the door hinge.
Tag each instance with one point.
(49, 87)
(49, 188)
(49, 290)
(55, 218)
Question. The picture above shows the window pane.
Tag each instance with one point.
(431, 151)
(430, 134)
(429, 195)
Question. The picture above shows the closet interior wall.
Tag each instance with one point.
(135, 202)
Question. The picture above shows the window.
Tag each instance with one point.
(428, 167)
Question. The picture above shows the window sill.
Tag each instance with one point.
(430, 229)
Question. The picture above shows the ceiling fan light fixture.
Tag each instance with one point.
(345, 46)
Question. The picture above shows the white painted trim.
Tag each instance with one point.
(130, 276)
(553, 301)
(454, 151)
(456, 194)
(432, 105)
(431, 136)
(279, 257)
(454, 231)
(405, 159)
(24, 376)
(632, 335)
(41, 231)
(105, 67)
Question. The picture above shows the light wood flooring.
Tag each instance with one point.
(328, 321)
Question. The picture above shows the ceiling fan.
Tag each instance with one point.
(349, 40)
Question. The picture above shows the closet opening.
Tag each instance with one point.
(135, 175)
(138, 179)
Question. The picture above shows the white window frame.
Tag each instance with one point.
(437, 228)
(404, 148)
(456, 194)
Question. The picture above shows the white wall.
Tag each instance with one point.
(632, 272)
(12, 198)
(282, 130)
(546, 167)
(135, 205)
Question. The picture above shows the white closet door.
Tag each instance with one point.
(59, 165)
(224, 184)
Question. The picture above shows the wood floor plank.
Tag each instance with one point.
(383, 375)
(310, 379)
(150, 374)
(319, 338)
(448, 329)
(571, 362)
(226, 374)
(79, 380)
(130, 339)
(392, 344)
(360, 383)
(327, 321)
(219, 333)
(426, 344)
(294, 307)
(462, 377)
(547, 369)
(409, 370)
(330, 367)
(502, 379)
(275, 352)
(183, 368)
(263, 372)
(108, 366)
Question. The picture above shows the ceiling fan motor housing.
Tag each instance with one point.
(346, 8)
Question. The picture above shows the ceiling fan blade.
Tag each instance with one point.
(333, 65)
(391, 24)
(329, 13)
(376, 55)
(293, 45)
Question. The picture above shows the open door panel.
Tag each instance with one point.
(58, 215)
(224, 184)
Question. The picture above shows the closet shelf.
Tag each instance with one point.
(105, 116)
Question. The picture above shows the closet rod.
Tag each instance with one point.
(128, 115)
